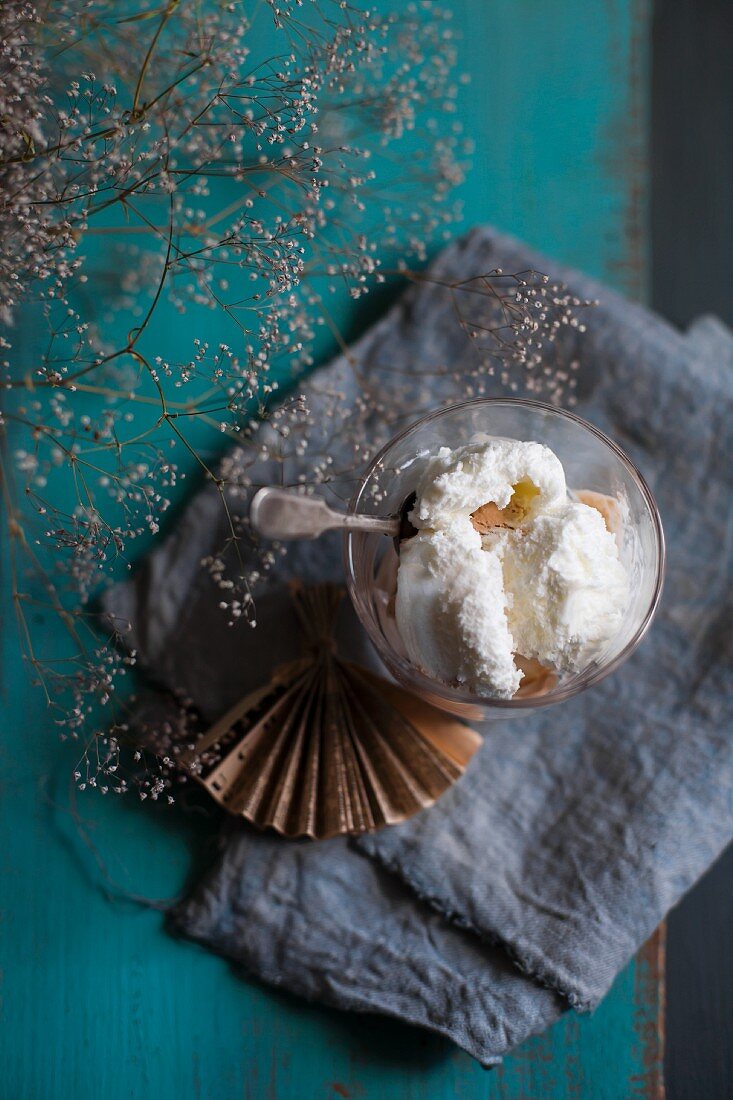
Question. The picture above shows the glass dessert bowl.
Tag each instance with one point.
(597, 473)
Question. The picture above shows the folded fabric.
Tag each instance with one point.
(529, 885)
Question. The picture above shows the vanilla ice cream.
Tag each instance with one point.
(504, 565)
(450, 609)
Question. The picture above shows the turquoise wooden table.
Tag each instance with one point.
(97, 1001)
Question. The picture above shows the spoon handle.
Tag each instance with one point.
(286, 514)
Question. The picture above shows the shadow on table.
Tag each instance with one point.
(371, 1039)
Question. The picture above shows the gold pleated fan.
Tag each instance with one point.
(327, 748)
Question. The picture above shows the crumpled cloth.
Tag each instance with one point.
(531, 883)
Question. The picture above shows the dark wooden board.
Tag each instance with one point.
(692, 246)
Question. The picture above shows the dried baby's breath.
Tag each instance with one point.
(239, 185)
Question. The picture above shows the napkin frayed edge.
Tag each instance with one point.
(179, 924)
(523, 955)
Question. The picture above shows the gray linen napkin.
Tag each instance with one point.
(534, 880)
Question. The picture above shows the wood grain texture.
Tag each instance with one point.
(692, 237)
(692, 158)
(699, 1060)
(98, 1002)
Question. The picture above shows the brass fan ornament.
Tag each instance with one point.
(327, 748)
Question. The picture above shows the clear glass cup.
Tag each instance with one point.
(591, 461)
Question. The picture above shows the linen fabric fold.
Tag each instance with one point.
(531, 883)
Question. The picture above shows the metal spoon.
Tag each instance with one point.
(286, 514)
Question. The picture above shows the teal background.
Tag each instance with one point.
(97, 1001)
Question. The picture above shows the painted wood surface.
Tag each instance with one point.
(98, 1002)
(692, 236)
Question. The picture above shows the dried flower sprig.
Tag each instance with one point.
(182, 159)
